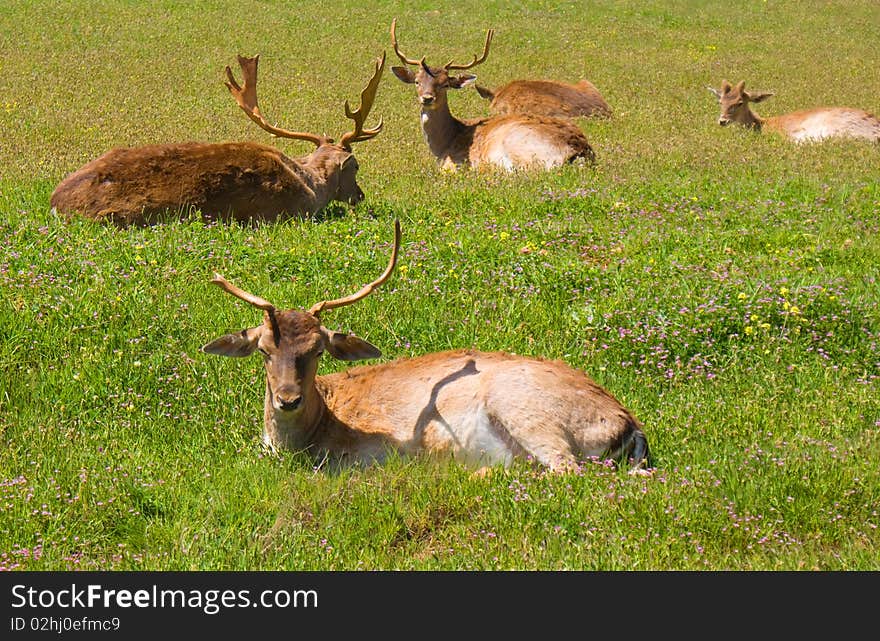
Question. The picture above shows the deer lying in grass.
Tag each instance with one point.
(547, 98)
(513, 141)
(481, 408)
(243, 181)
(801, 126)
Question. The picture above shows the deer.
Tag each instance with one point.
(483, 409)
(547, 98)
(801, 126)
(509, 142)
(240, 181)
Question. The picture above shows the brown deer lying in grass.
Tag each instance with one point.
(513, 141)
(242, 181)
(800, 126)
(481, 408)
(547, 98)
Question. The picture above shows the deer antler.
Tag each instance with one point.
(366, 290)
(359, 115)
(229, 288)
(246, 98)
(475, 61)
(403, 58)
(451, 64)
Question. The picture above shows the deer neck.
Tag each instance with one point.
(441, 129)
(319, 173)
(752, 120)
(293, 430)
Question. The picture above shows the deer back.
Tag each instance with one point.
(241, 181)
(548, 98)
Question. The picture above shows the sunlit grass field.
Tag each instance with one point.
(722, 284)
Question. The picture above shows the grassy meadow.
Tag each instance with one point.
(722, 284)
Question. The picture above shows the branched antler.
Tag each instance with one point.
(451, 65)
(246, 97)
(448, 66)
(403, 58)
(359, 115)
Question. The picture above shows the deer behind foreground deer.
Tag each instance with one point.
(801, 126)
(482, 408)
(511, 141)
(547, 98)
(242, 181)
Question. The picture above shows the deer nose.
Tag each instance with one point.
(288, 404)
(427, 100)
(723, 121)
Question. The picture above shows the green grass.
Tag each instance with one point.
(721, 284)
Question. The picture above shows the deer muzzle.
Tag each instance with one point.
(357, 196)
(287, 400)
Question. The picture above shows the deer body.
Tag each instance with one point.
(825, 122)
(228, 181)
(482, 408)
(511, 141)
(547, 98)
(801, 126)
(241, 181)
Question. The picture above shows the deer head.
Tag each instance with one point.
(734, 103)
(292, 341)
(432, 82)
(334, 158)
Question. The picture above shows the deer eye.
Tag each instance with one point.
(263, 352)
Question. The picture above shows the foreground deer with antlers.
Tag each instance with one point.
(547, 98)
(513, 141)
(801, 126)
(242, 181)
(481, 408)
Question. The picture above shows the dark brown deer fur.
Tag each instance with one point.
(242, 181)
(547, 98)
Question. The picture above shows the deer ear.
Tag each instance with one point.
(404, 75)
(757, 97)
(462, 81)
(348, 347)
(240, 344)
(725, 86)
